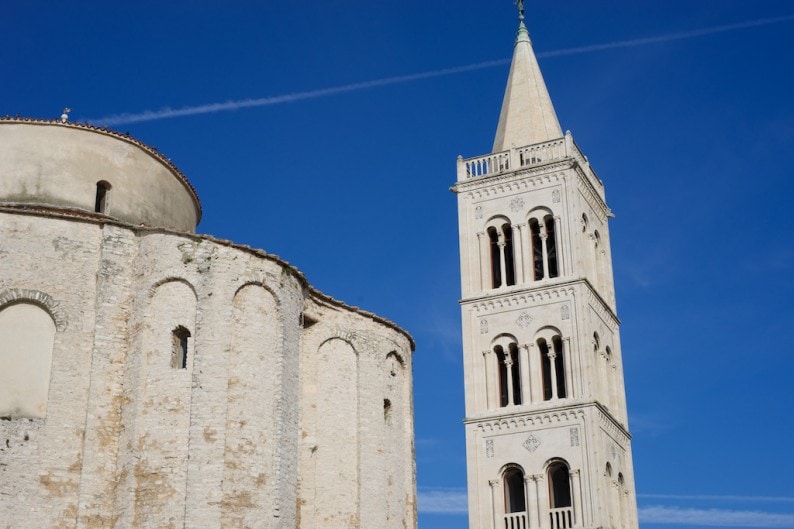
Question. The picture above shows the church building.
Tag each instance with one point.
(151, 377)
(547, 439)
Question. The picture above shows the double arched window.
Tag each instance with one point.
(502, 253)
(509, 374)
(543, 238)
(516, 254)
(552, 361)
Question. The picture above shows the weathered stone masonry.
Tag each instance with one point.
(292, 409)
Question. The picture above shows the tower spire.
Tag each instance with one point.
(527, 114)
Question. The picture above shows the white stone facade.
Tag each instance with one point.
(159, 379)
(546, 426)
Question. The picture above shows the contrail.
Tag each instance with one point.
(167, 112)
(706, 497)
(150, 115)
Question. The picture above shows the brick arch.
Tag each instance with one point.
(37, 297)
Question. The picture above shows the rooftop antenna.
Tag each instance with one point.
(65, 115)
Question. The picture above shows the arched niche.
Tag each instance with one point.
(27, 336)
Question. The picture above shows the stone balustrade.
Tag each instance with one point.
(561, 518)
(529, 155)
(516, 520)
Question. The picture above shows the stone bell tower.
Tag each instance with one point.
(547, 435)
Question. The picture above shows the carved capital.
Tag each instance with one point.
(493, 483)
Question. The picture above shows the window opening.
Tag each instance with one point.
(101, 202)
(560, 365)
(516, 374)
(501, 357)
(559, 486)
(496, 272)
(545, 361)
(179, 351)
(552, 368)
(551, 246)
(510, 272)
(537, 250)
(515, 499)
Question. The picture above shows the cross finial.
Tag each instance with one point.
(520, 4)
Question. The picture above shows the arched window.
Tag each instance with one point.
(553, 368)
(559, 486)
(502, 253)
(551, 245)
(515, 497)
(179, 351)
(102, 196)
(543, 244)
(27, 336)
(612, 500)
(623, 501)
(496, 257)
(509, 374)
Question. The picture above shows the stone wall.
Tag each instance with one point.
(291, 410)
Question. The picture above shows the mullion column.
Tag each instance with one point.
(523, 365)
(502, 262)
(488, 379)
(519, 253)
(531, 491)
(565, 354)
(494, 506)
(509, 370)
(553, 368)
(536, 386)
(545, 251)
(560, 259)
(485, 259)
(576, 504)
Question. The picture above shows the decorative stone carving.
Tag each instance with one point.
(565, 312)
(574, 436)
(531, 444)
(483, 326)
(517, 204)
(555, 196)
(523, 320)
(489, 448)
(478, 212)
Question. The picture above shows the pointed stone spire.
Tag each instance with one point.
(527, 115)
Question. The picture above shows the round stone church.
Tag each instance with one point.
(156, 378)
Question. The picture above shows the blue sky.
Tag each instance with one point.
(691, 134)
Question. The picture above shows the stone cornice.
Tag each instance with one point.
(591, 196)
(80, 216)
(560, 290)
(522, 298)
(515, 419)
(613, 427)
(522, 178)
(602, 308)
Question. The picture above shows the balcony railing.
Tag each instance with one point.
(526, 156)
(561, 518)
(516, 520)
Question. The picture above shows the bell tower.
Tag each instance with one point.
(547, 437)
